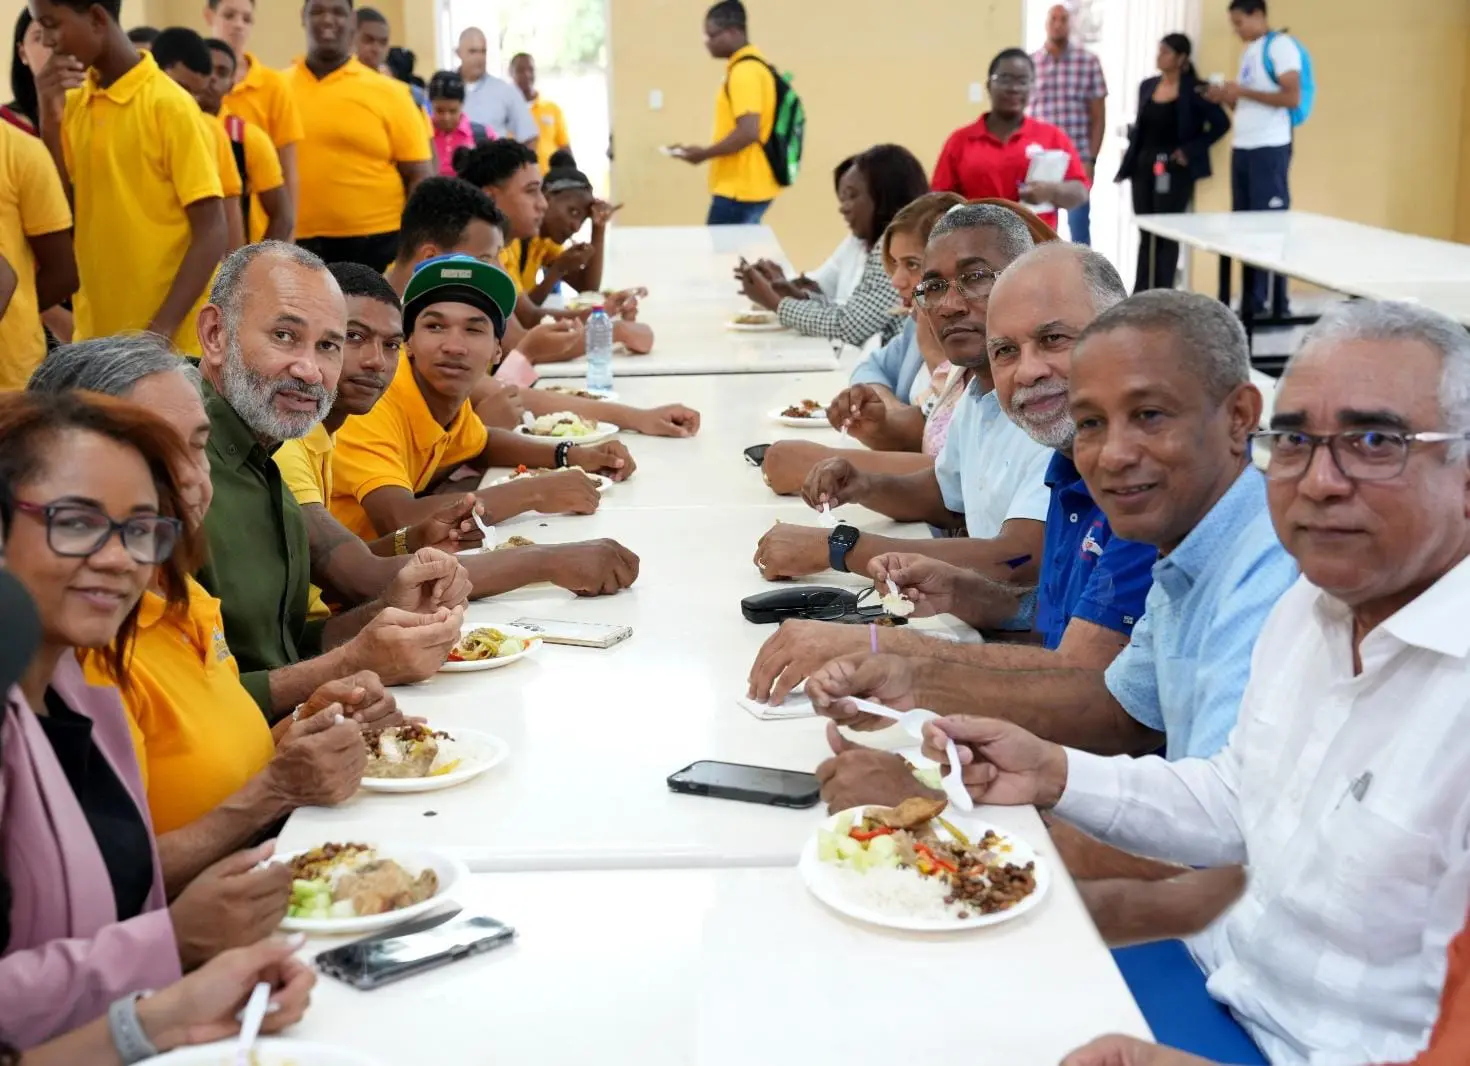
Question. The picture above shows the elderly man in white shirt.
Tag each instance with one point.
(1346, 784)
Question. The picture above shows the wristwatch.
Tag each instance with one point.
(400, 541)
(126, 1029)
(562, 451)
(840, 541)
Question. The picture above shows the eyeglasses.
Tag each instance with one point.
(1011, 81)
(77, 531)
(972, 285)
(1360, 454)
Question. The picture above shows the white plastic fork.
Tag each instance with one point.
(487, 531)
(250, 1021)
(826, 517)
(913, 723)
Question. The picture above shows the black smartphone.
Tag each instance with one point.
(755, 455)
(369, 964)
(749, 784)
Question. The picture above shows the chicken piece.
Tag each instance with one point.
(401, 751)
(910, 814)
(382, 885)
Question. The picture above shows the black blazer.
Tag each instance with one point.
(1201, 124)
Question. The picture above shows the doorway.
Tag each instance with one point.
(568, 39)
(1124, 35)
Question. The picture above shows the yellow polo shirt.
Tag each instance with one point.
(523, 260)
(359, 126)
(306, 467)
(199, 734)
(263, 98)
(138, 155)
(744, 176)
(397, 444)
(32, 204)
(552, 125)
(262, 170)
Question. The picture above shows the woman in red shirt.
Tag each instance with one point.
(991, 158)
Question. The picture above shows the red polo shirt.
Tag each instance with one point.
(976, 164)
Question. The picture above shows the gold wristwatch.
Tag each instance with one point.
(400, 541)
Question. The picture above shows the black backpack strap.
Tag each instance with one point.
(235, 128)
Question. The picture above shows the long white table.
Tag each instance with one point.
(732, 967)
(692, 295)
(1346, 257)
(666, 929)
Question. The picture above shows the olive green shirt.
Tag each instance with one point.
(258, 565)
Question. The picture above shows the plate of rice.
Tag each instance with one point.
(564, 425)
(934, 875)
(417, 758)
(360, 888)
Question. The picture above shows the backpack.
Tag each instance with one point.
(788, 131)
(1303, 109)
(235, 127)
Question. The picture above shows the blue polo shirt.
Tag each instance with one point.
(1185, 668)
(1086, 572)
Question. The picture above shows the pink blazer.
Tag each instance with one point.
(69, 956)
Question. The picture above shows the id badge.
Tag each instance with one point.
(1161, 176)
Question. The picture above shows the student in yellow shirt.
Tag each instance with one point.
(507, 172)
(370, 360)
(215, 773)
(183, 56)
(145, 187)
(35, 239)
(366, 146)
(455, 311)
(259, 94)
(550, 122)
(740, 179)
(570, 202)
(448, 216)
(265, 200)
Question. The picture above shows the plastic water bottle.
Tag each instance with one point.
(599, 352)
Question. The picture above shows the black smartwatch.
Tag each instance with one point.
(562, 451)
(839, 542)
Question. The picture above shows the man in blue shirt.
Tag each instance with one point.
(1163, 406)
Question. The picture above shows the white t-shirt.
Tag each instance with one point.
(990, 469)
(1260, 125)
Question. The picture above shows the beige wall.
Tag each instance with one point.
(856, 65)
(1388, 143)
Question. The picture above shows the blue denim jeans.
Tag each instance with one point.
(724, 211)
(1079, 223)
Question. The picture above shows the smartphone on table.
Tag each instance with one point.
(576, 634)
(369, 964)
(748, 784)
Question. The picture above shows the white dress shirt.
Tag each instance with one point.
(1349, 798)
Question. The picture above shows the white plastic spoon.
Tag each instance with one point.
(250, 1021)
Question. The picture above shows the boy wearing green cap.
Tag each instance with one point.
(455, 310)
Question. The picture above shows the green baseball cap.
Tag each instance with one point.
(460, 279)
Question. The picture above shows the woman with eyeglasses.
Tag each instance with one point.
(991, 158)
(881, 181)
(95, 518)
(216, 774)
(1168, 151)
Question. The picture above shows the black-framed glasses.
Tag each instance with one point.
(972, 285)
(78, 531)
(1359, 454)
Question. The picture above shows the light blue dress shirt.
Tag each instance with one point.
(894, 365)
(1187, 663)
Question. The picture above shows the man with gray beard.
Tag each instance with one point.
(272, 336)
